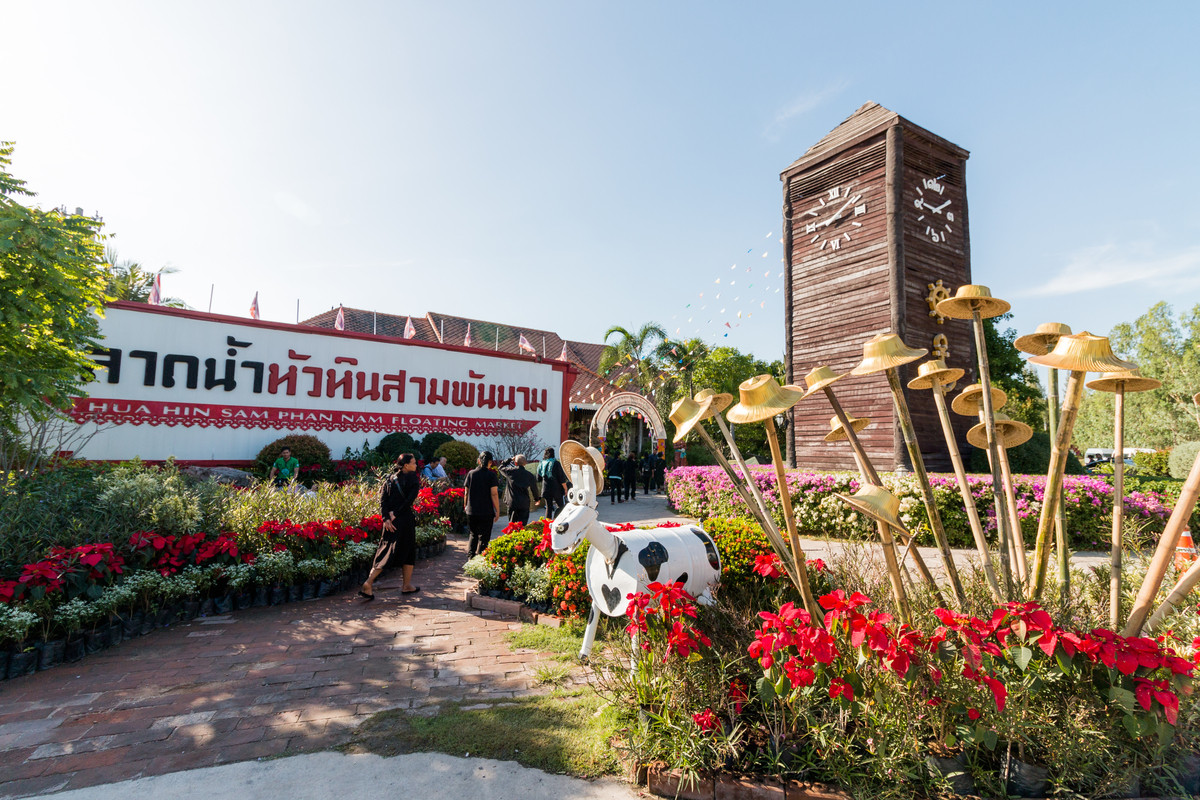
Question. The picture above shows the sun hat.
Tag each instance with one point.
(720, 402)
(762, 398)
(1084, 352)
(969, 400)
(1134, 382)
(877, 503)
(886, 351)
(572, 452)
(686, 413)
(935, 369)
(1011, 432)
(1042, 340)
(820, 377)
(838, 434)
(968, 298)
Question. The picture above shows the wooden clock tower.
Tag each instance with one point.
(875, 232)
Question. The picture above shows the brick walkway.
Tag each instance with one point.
(256, 683)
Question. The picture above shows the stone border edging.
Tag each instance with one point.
(510, 608)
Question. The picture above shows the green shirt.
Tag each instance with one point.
(287, 469)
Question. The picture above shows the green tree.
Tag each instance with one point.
(723, 370)
(679, 359)
(632, 356)
(1010, 372)
(1164, 348)
(127, 280)
(52, 279)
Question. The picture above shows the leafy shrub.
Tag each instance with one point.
(514, 548)
(394, 444)
(459, 455)
(484, 571)
(1181, 459)
(249, 508)
(137, 497)
(1156, 463)
(431, 442)
(308, 450)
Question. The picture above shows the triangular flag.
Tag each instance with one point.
(156, 290)
(340, 323)
(254, 307)
(524, 344)
(410, 330)
(467, 340)
(563, 355)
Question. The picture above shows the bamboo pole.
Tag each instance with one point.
(764, 519)
(935, 519)
(1014, 517)
(1004, 534)
(1164, 552)
(964, 488)
(865, 465)
(1054, 480)
(1003, 526)
(810, 602)
(1182, 589)
(869, 475)
(1114, 581)
(1060, 512)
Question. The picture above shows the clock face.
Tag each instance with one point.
(831, 222)
(935, 212)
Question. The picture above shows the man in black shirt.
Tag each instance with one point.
(482, 500)
(520, 483)
(616, 480)
(631, 476)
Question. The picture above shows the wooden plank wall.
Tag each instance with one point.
(840, 299)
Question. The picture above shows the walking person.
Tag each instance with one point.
(482, 502)
(399, 537)
(616, 480)
(660, 474)
(554, 483)
(631, 476)
(520, 486)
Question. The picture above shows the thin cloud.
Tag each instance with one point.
(295, 207)
(1110, 265)
(800, 106)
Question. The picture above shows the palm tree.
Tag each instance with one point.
(679, 358)
(636, 350)
(127, 280)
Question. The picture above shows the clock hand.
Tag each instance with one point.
(938, 210)
(838, 214)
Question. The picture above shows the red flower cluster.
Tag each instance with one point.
(706, 720)
(316, 539)
(68, 570)
(768, 565)
(668, 604)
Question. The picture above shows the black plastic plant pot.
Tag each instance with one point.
(52, 654)
(95, 640)
(131, 625)
(279, 595)
(324, 589)
(1023, 779)
(149, 621)
(116, 632)
(208, 607)
(244, 600)
(167, 616)
(76, 649)
(191, 610)
(262, 596)
(295, 593)
(4, 656)
(23, 663)
(955, 771)
(223, 605)
(309, 590)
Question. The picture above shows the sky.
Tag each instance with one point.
(574, 166)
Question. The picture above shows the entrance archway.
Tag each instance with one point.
(630, 403)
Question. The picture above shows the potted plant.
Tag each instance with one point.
(70, 618)
(15, 624)
(311, 571)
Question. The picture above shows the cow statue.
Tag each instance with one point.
(623, 563)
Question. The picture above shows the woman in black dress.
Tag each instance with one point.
(399, 525)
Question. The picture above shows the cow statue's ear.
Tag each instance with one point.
(589, 480)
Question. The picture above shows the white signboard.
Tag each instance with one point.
(214, 389)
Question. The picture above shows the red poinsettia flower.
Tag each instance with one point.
(839, 688)
(706, 720)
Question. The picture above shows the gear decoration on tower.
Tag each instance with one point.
(937, 293)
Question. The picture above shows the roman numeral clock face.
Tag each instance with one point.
(934, 211)
(832, 221)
